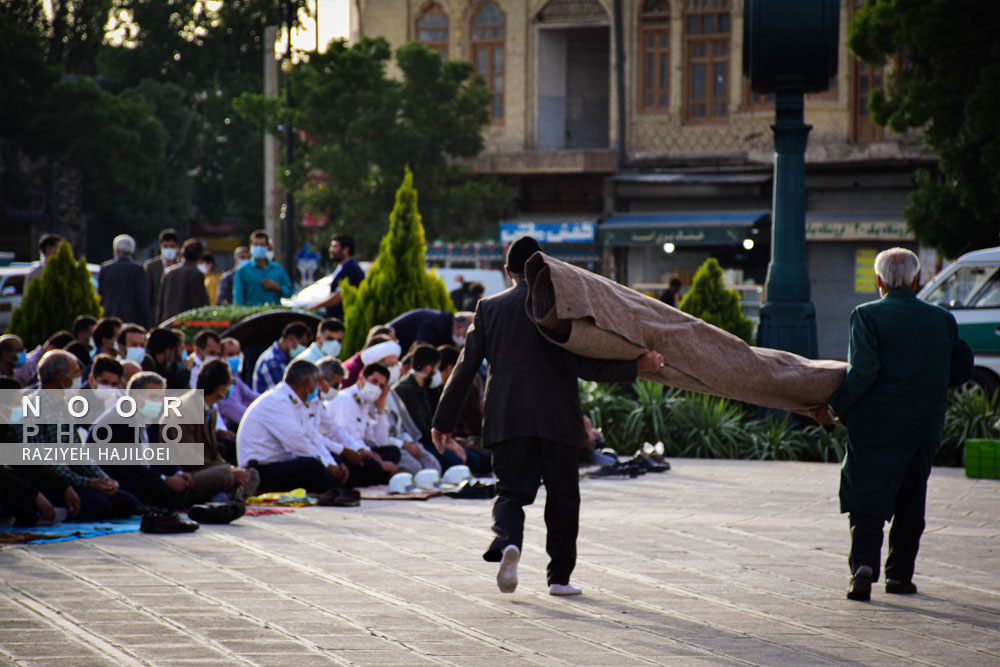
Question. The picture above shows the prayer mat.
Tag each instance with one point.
(595, 317)
(294, 498)
(382, 493)
(66, 531)
(265, 511)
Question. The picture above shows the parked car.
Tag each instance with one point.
(970, 289)
(12, 279)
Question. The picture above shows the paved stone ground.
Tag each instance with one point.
(715, 562)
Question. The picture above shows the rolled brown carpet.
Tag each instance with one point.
(598, 318)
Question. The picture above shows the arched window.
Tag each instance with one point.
(654, 59)
(432, 28)
(488, 37)
(706, 61)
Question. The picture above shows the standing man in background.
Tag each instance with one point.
(48, 245)
(122, 285)
(241, 257)
(904, 353)
(262, 281)
(170, 243)
(183, 285)
(533, 421)
(341, 252)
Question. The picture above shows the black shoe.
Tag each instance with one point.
(897, 587)
(616, 470)
(473, 490)
(647, 464)
(861, 585)
(226, 512)
(166, 521)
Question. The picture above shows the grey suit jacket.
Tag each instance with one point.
(124, 293)
(182, 288)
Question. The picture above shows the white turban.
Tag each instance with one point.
(379, 352)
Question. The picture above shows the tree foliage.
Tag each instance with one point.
(948, 86)
(398, 281)
(53, 300)
(709, 300)
(357, 129)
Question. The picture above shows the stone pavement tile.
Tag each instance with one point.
(296, 659)
(74, 661)
(380, 656)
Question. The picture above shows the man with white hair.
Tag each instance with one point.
(122, 285)
(904, 354)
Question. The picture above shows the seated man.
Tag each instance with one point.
(329, 338)
(434, 327)
(25, 374)
(165, 356)
(231, 409)
(414, 392)
(270, 367)
(277, 437)
(207, 346)
(86, 491)
(377, 334)
(132, 343)
(361, 411)
(163, 486)
(215, 476)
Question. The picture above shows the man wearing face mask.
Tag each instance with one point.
(361, 410)
(329, 338)
(183, 285)
(131, 344)
(207, 267)
(165, 356)
(122, 285)
(207, 346)
(95, 495)
(241, 257)
(272, 362)
(170, 244)
(12, 354)
(413, 392)
(231, 409)
(262, 281)
(106, 379)
(434, 327)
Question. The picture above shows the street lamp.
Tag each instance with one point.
(669, 248)
(288, 210)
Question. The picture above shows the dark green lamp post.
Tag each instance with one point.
(789, 49)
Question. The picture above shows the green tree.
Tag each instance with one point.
(398, 281)
(709, 300)
(360, 128)
(948, 86)
(56, 298)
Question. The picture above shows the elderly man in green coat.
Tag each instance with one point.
(904, 354)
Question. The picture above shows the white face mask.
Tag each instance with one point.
(77, 383)
(270, 255)
(329, 395)
(203, 268)
(370, 393)
(331, 348)
(459, 340)
(106, 393)
(243, 262)
(394, 374)
(169, 254)
(436, 380)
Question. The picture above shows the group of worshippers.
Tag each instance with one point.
(300, 419)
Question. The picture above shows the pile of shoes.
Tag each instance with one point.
(165, 521)
(473, 488)
(338, 498)
(648, 458)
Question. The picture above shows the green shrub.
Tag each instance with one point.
(398, 281)
(706, 427)
(774, 439)
(709, 300)
(226, 313)
(826, 444)
(53, 300)
(971, 414)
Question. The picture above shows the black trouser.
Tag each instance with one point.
(370, 472)
(904, 535)
(521, 465)
(152, 491)
(301, 472)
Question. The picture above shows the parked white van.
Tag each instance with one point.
(970, 289)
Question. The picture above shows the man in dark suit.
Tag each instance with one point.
(170, 244)
(533, 421)
(434, 327)
(183, 285)
(904, 354)
(122, 285)
(241, 256)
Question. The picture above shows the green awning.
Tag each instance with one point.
(682, 229)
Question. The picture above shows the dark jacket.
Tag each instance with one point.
(430, 326)
(122, 434)
(154, 274)
(176, 375)
(904, 354)
(182, 288)
(225, 294)
(531, 387)
(418, 403)
(124, 292)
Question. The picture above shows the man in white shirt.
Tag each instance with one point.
(328, 342)
(278, 437)
(207, 346)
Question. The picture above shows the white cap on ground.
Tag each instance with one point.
(401, 482)
(456, 475)
(427, 478)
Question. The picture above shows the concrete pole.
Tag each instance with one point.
(272, 195)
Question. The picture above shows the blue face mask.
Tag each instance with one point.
(258, 252)
(16, 415)
(313, 394)
(184, 355)
(136, 354)
(243, 262)
(234, 364)
(229, 392)
(297, 350)
(151, 409)
(21, 359)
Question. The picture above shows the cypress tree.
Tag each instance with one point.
(709, 300)
(398, 280)
(53, 300)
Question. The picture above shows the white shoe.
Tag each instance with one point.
(507, 576)
(563, 589)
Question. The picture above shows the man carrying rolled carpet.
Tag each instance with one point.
(532, 421)
(904, 353)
